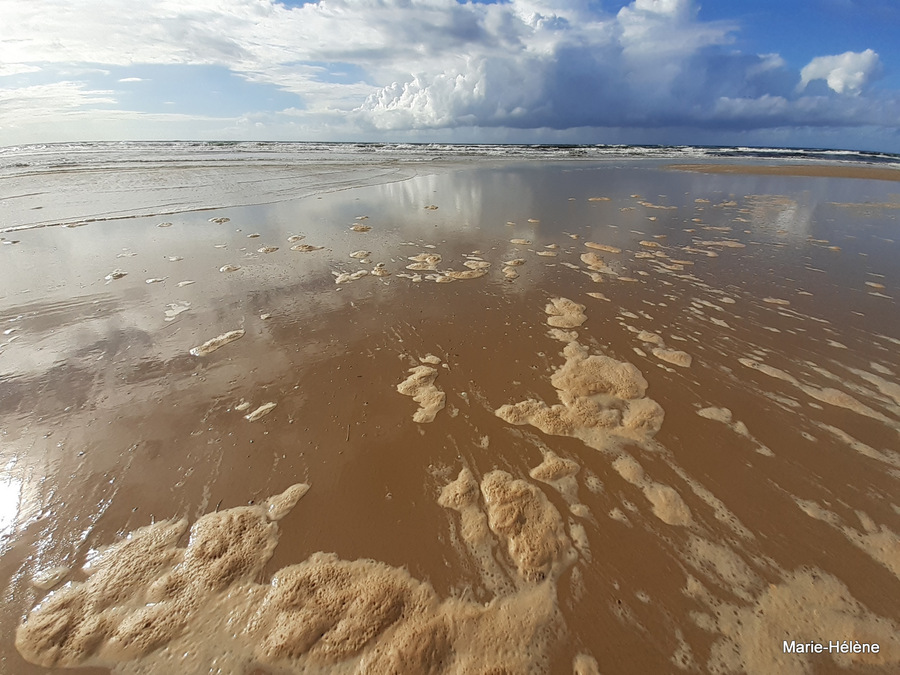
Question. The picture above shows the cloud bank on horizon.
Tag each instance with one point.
(573, 71)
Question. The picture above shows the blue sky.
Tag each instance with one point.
(819, 73)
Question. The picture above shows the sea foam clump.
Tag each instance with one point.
(602, 402)
(152, 607)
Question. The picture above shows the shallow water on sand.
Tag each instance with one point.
(755, 501)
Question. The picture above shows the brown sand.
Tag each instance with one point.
(678, 475)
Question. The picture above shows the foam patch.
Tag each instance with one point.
(535, 536)
(261, 411)
(347, 277)
(593, 261)
(880, 542)
(175, 308)
(150, 606)
(828, 395)
(466, 274)
(673, 356)
(602, 247)
(806, 606)
(217, 342)
(560, 474)
(650, 338)
(463, 495)
(892, 458)
(603, 402)
(143, 592)
(420, 385)
(585, 664)
(476, 264)
(724, 416)
(666, 503)
(565, 313)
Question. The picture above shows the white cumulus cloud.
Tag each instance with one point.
(561, 65)
(425, 69)
(844, 73)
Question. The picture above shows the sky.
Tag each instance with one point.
(810, 73)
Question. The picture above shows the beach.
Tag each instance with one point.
(399, 411)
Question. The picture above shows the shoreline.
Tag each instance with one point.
(77, 183)
(85, 194)
(87, 199)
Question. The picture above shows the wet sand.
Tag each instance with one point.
(669, 446)
(794, 169)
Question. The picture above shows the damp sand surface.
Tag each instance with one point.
(823, 170)
(397, 473)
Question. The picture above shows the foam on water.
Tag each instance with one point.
(421, 387)
(603, 401)
(666, 503)
(806, 605)
(261, 411)
(565, 313)
(151, 606)
(217, 342)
